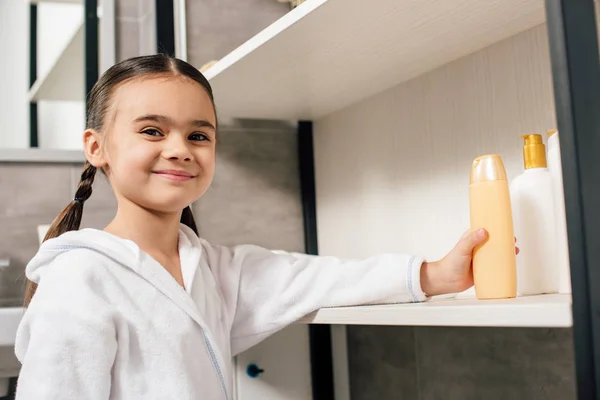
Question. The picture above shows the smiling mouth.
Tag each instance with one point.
(174, 175)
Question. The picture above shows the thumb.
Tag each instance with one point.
(469, 240)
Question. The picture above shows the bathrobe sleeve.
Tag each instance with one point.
(265, 291)
(66, 341)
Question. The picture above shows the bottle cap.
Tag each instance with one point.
(534, 151)
(551, 132)
(488, 167)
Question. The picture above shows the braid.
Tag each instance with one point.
(70, 218)
(84, 189)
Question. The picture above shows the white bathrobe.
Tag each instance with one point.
(109, 322)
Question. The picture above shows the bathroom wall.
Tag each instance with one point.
(216, 27)
(255, 196)
(135, 30)
(392, 176)
(33, 194)
(431, 363)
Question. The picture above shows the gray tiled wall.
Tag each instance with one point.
(430, 363)
(216, 27)
(135, 31)
(32, 195)
(255, 196)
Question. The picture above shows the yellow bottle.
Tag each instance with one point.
(494, 261)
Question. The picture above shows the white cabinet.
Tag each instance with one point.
(285, 359)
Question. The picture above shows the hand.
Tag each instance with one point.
(454, 272)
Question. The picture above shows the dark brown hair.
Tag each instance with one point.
(98, 104)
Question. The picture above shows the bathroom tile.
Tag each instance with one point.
(8, 361)
(18, 243)
(127, 9)
(34, 189)
(127, 38)
(147, 33)
(216, 27)
(495, 363)
(102, 198)
(146, 7)
(255, 196)
(382, 363)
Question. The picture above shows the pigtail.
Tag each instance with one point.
(187, 218)
(70, 218)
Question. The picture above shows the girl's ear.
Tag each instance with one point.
(93, 149)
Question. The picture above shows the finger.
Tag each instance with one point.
(470, 240)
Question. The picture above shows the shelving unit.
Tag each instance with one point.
(56, 1)
(65, 79)
(550, 311)
(325, 55)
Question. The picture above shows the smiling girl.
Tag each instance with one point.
(145, 309)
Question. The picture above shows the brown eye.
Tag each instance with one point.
(152, 132)
(198, 136)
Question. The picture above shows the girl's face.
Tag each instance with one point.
(159, 145)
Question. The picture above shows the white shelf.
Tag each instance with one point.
(527, 311)
(56, 1)
(327, 54)
(36, 155)
(65, 79)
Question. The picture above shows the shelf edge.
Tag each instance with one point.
(41, 156)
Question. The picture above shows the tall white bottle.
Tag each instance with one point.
(562, 245)
(533, 218)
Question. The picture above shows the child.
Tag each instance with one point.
(145, 309)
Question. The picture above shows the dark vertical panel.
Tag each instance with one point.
(319, 335)
(91, 45)
(12, 389)
(576, 74)
(33, 114)
(165, 27)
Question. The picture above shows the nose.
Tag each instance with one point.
(176, 149)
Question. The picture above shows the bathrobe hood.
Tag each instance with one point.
(122, 251)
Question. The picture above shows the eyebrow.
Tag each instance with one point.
(199, 123)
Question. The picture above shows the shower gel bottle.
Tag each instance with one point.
(494, 261)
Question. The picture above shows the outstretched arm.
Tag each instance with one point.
(266, 291)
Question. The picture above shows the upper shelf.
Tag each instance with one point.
(327, 54)
(56, 1)
(552, 311)
(65, 79)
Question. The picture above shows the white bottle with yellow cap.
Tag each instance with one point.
(562, 245)
(532, 201)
